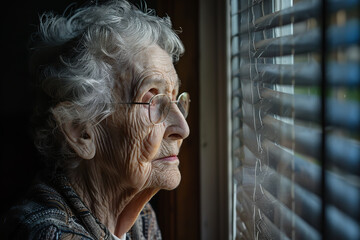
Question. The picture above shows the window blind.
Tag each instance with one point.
(295, 119)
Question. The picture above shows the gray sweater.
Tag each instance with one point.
(53, 210)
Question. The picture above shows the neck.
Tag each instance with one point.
(126, 219)
(117, 208)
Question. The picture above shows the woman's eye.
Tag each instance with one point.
(149, 94)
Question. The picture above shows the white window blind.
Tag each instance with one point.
(295, 119)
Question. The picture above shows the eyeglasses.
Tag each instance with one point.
(159, 106)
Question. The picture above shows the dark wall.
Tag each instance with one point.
(18, 156)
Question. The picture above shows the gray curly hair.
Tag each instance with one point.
(74, 59)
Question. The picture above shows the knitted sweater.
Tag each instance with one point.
(53, 210)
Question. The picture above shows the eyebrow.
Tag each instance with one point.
(156, 81)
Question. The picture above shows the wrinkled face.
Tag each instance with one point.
(136, 152)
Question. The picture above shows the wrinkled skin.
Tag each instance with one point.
(126, 170)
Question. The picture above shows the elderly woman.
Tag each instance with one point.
(109, 123)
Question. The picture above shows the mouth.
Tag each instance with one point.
(168, 158)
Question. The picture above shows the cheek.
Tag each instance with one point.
(111, 146)
(142, 143)
(130, 144)
(148, 137)
(152, 142)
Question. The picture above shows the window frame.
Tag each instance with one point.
(215, 157)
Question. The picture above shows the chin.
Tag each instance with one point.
(172, 183)
(169, 179)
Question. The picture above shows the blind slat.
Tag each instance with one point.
(303, 43)
(267, 212)
(343, 74)
(335, 5)
(348, 34)
(306, 175)
(299, 12)
(344, 114)
(340, 226)
(280, 185)
(281, 193)
(309, 74)
(341, 152)
(307, 141)
(268, 204)
(285, 74)
(344, 153)
(282, 46)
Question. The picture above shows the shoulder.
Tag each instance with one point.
(43, 215)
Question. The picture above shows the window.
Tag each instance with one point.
(295, 119)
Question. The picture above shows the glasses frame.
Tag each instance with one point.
(161, 94)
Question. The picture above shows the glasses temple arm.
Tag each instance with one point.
(139, 103)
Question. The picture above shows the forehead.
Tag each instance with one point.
(155, 65)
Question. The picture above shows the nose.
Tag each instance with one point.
(176, 125)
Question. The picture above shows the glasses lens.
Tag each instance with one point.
(184, 103)
(159, 108)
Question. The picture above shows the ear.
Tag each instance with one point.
(81, 139)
